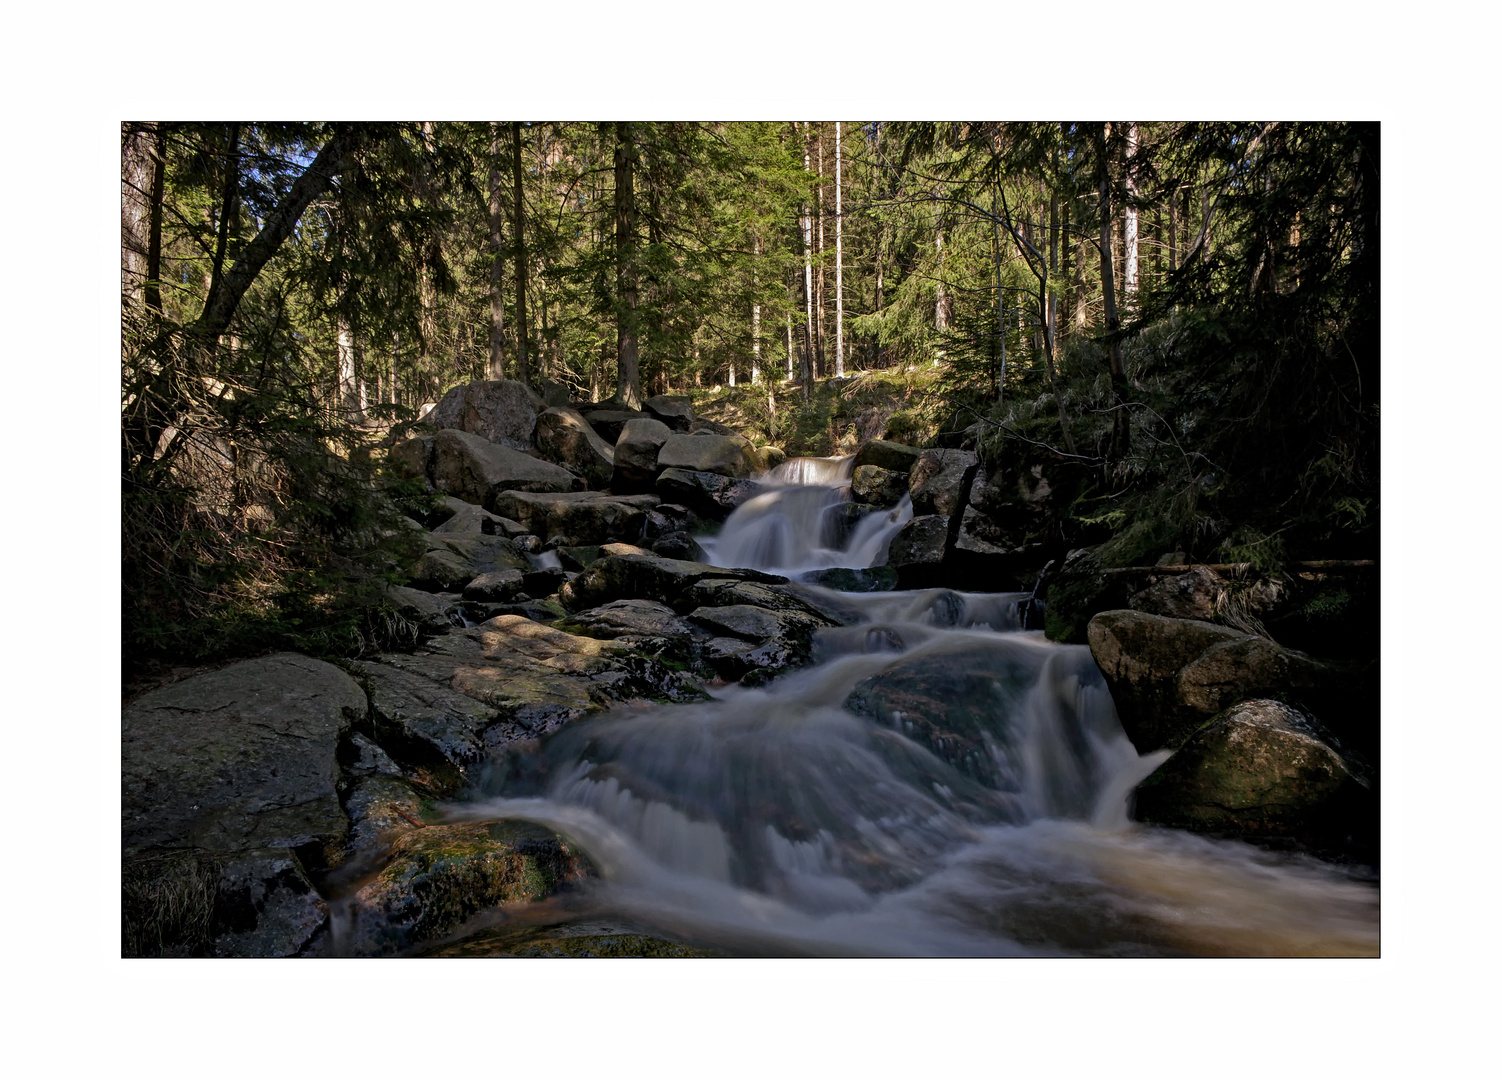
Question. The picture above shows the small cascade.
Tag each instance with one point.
(813, 471)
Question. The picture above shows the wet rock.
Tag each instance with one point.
(1262, 769)
(647, 577)
(635, 461)
(381, 807)
(498, 586)
(678, 545)
(875, 486)
(1168, 677)
(500, 411)
(725, 455)
(544, 582)
(437, 710)
(940, 481)
(669, 518)
(710, 494)
(917, 552)
(468, 467)
(1079, 590)
(266, 906)
(849, 579)
(565, 438)
(894, 456)
(453, 560)
(645, 625)
(585, 517)
(674, 410)
(239, 759)
(773, 456)
(577, 557)
(441, 876)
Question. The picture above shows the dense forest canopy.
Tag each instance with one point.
(1184, 314)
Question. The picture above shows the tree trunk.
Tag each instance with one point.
(1130, 227)
(1121, 433)
(497, 365)
(136, 189)
(628, 379)
(823, 365)
(349, 389)
(839, 263)
(519, 245)
(755, 310)
(806, 236)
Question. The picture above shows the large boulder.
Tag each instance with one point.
(644, 625)
(453, 560)
(565, 438)
(725, 455)
(917, 551)
(636, 452)
(709, 494)
(585, 517)
(893, 456)
(649, 577)
(240, 758)
(940, 481)
(875, 486)
(609, 419)
(440, 876)
(469, 519)
(674, 410)
(1168, 677)
(497, 410)
(412, 459)
(752, 643)
(1262, 769)
(443, 709)
(469, 468)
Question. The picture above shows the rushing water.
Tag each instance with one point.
(977, 805)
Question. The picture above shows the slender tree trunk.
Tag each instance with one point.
(1121, 433)
(881, 236)
(789, 313)
(135, 207)
(941, 300)
(520, 247)
(839, 263)
(806, 236)
(1173, 232)
(229, 211)
(823, 364)
(755, 310)
(497, 365)
(628, 379)
(152, 291)
(1130, 227)
(349, 388)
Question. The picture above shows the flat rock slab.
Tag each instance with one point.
(468, 467)
(648, 577)
(898, 457)
(467, 518)
(583, 517)
(453, 560)
(725, 455)
(238, 758)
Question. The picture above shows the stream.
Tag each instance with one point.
(778, 822)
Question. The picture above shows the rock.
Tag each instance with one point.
(849, 579)
(894, 456)
(678, 545)
(413, 459)
(584, 517)
(432, 615)
(876, 486)
(645, 625)
(240, 759)
(773, 456)
(1262, 769)
(709, 427)
(648, 577)
(441, 876)
(565, 438)
(1168, 677)
(940, 481)
(636, 452)
(477, 471)
(498, 586)
(609, 420)
(1079, 590)
(440, 710)
(710, 494)
(725, 455)
(266, 906)
(917, 552)
(674, 410)
(499, 411)
(552, 392)
(453, 560)
(755, 644)
(468, 518)
(668, 518)
(543, 582)
(577, 557)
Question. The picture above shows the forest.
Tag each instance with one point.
(1181, 316)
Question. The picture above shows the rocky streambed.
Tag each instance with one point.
(605, 744)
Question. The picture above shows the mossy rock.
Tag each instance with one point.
(439, 877)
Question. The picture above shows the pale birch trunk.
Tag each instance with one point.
(808, 282)
(755, 312)
(628, 379)
(135, 208)
(1130, 278)
(822, 365)
(519, 236)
